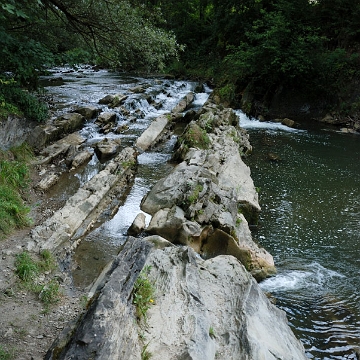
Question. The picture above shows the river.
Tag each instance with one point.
(310, 218)
(310, 223)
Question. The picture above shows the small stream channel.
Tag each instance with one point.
(310, 199)
(85, 87)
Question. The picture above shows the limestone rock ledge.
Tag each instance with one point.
(209, 199)
(202, 310)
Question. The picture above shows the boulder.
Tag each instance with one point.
(137, 226)
(80, 158)
(69, 123)
(106, 117)
(43, 135)
(106, 99)
(47, 182)
(201, 310)
(108, 330)
(61, 148)
(212, 309)
(138, 89)
(117, 100)
(88, 112)
(288, 122)
(183, 104)
(107, 148)
(83, 208)
(14, 131)
(149, 136)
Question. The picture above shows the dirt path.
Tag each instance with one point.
(27, 327)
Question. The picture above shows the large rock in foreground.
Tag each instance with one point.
(202, 310)
(213, 309)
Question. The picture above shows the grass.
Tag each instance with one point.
(4, 354)
(193, 197)
(143, 294)
(195, 137)
(145, 354)
(28, 270)
(14, 180)
(211, 332)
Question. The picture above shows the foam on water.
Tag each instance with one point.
(251, 123)
(311, 276)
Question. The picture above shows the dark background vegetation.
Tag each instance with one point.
(260, 54)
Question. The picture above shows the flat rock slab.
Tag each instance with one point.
(152, 132)
(56, 231)
(108, 330)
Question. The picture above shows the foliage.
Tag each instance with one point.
(14, 178)
(195, 192)
(195, 136)
(143, 294)
(15, 100)
(50, 293)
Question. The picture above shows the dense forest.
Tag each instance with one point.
(261, 55)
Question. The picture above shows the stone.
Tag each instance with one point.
(14, 131)
(106, 117)
(209, 199)
(202, 310)
(61, 148)
(137, 226)
(288, 122)
(149, 136)
(108, 330)
(182, 105)
(213, 309)
(80, 209)
(117, 100)
(70, 122)
(80, 159)
(106, 99)
(43, 135)
(138, 89)
(107, 148)
(88, 112)
(47, 182)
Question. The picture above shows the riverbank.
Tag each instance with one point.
(219, 214)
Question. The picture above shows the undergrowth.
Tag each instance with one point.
(14, 180)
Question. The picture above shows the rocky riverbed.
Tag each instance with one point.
(202, 259)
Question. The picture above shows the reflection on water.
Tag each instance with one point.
(310, 223)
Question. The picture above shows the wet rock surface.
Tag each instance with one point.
(204, 215)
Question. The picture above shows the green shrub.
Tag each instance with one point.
(13, 99)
